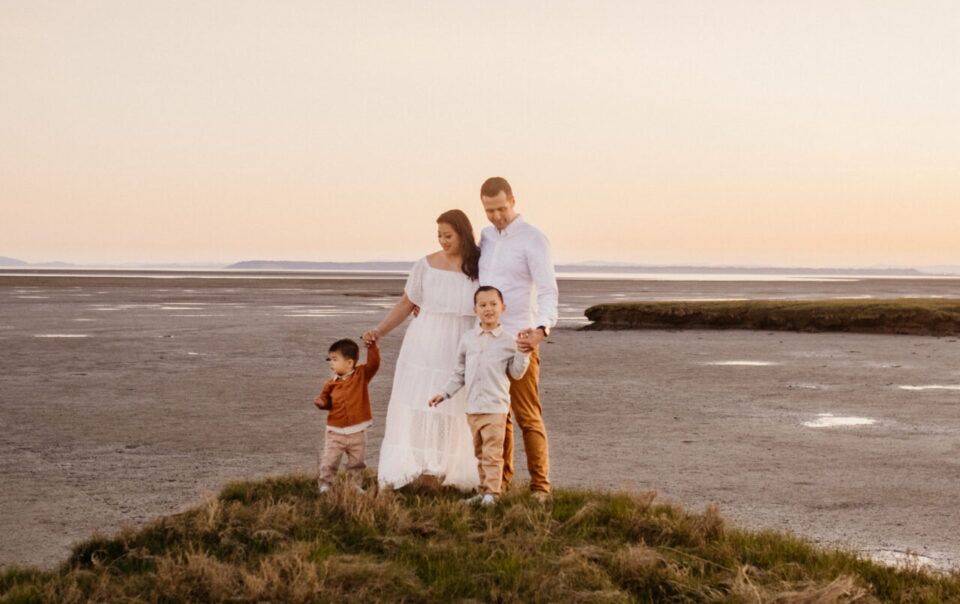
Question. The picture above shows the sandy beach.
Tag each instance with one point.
(126, 398)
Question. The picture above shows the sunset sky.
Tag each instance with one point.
(767, 132)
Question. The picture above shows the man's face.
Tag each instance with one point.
(488, 308)
(499, 209)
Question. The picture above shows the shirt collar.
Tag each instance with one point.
(495, 332)
(345, 375)
(513, 226)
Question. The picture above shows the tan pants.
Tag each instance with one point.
(488, 429)
(334, 447)
(526, 409)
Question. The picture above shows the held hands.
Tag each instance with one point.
(529, 339)
(436, 400)
(370, 338)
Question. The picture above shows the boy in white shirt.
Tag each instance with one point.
(487, 353)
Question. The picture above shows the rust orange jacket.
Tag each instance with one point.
(348, 399)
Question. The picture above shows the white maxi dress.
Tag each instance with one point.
(419, 439)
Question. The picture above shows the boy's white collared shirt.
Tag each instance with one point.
(483, 360)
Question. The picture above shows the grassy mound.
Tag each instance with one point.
(277, 540)
(934, 317)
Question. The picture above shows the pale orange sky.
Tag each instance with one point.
(776, 133)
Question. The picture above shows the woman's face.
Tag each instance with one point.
(448, 238)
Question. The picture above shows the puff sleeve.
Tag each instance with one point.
(414, 286)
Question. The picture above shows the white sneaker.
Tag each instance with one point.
(324, 488)
(488, 500)
(473, 500)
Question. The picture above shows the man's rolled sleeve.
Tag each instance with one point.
(540, 264)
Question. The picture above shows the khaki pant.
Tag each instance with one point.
(526, 409)
(488, 429)
(334, 447)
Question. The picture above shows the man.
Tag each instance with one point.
(515, 258)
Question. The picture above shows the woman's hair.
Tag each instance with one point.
(469, 250)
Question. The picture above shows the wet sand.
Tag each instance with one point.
(143, 396)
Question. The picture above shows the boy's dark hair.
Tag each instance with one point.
(493, 185)
(347, 348)
(487, 288)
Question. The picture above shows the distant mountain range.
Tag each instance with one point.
(13, 262)
(283, 265)
(594, 267)
(580, 267)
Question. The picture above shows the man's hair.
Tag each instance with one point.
(486, 288)
(492, 187)
(348, 348)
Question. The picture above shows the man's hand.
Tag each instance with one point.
(416, 310)
(436, 400)
(529, 339)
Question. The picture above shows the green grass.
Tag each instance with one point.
(277, 540)
(916, 316)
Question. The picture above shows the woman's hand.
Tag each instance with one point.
(371, 336)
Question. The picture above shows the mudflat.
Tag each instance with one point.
(123, 398)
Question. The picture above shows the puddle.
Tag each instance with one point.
(808, 386)
(34, 297)
(742, 363)
(328, 312)
(904, 559)
(327, 315)
(829, 420)
(931, 387)
(61, 335)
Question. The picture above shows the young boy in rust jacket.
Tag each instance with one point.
(346, 397)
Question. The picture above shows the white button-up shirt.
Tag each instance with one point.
(518, 262)
(483, 359)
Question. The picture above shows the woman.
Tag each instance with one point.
(419, 439)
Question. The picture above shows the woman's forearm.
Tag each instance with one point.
(397, 315)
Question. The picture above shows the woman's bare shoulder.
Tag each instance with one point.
(436, 260)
